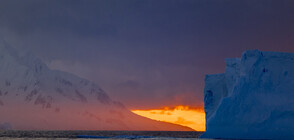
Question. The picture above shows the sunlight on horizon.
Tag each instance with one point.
(182, 115)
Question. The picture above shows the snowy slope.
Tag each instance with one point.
(32, 96)
(253, 99)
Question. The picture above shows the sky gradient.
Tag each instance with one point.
(146, 53)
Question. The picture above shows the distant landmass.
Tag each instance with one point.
(253, 99)
(55, 135)
(34, 97)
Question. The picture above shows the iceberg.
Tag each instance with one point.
(253, 99)
(5, 126)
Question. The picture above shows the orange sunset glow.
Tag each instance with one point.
(182, 115)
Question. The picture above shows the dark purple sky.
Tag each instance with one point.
(146, 53)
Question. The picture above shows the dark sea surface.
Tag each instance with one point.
(97, 134)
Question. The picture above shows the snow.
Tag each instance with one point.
(24, 73)
(34, 97)
(253, 99)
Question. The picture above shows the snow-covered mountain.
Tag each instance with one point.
(253, 99)
(32, 96)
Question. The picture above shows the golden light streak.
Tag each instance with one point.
(182, 115)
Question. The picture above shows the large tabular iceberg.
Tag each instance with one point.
(253, 99)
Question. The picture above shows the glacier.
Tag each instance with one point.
(35, 97)
(252, 99)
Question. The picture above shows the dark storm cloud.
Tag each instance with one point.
(146, 53)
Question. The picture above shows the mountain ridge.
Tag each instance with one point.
(32, 96)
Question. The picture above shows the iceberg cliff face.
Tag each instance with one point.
(253, 99)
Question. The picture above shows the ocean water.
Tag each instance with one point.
(44, 135)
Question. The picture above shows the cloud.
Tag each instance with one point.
(131, 84)
(193, 117)
(70, 66)
(146, 53)
(183, 121)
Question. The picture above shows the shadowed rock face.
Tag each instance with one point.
(32, 96)
(253, 99)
